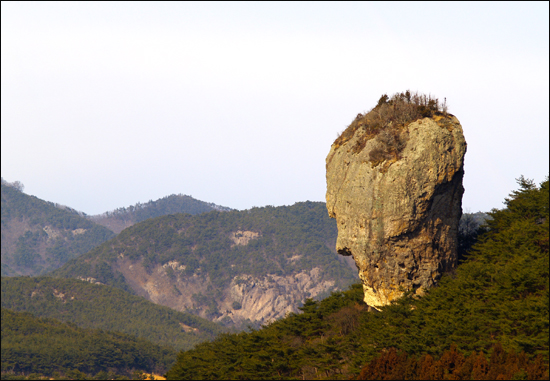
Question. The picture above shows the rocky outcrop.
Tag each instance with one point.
(397, 195)
(272, 297)
(241, 238)
(248, 299)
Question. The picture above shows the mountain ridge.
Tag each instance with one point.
(220, 265)
(124, 217)
(39, 236)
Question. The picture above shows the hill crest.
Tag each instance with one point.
(122, 218)
(40, 236)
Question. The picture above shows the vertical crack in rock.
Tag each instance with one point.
(398, 216)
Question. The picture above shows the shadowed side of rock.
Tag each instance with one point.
(398, 215)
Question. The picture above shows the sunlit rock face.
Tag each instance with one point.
(398, 217)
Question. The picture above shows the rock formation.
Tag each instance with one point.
(394, 185)
(247, 299)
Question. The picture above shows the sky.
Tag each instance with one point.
(106, 104)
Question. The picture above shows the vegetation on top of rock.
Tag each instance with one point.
(121, 218)
(46, 347)
(500, 294)
(104, 307)
(386, 123)
(40, 236)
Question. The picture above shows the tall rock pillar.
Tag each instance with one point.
(397, 202)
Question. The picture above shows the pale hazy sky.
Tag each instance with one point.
(106, 104)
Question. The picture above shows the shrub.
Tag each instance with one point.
(387, 124)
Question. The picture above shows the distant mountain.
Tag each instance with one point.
(121, 218)
(471, 225)
(46, 347)
(235, 267)
(103, 307)
(40, 236)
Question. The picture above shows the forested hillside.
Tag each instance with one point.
(107, 308)
(238, 267)
(121, 218)
(489, 319)
(48, 348)
(39, 236)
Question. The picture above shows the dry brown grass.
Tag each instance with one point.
(387, 123)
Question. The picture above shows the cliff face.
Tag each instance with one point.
(248, 299)
(398, 212)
